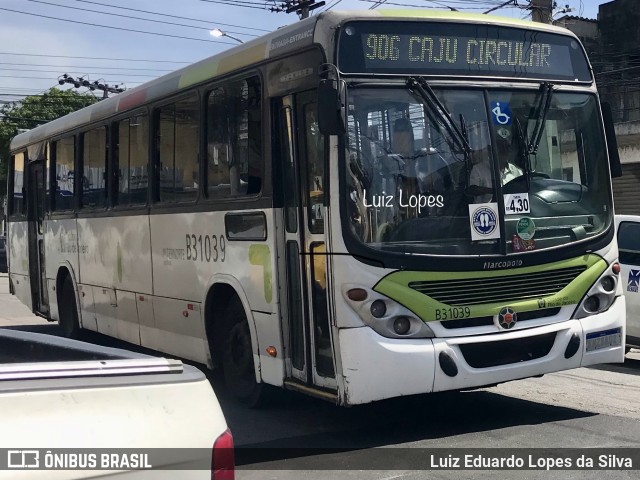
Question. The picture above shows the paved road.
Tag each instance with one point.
(594, 407)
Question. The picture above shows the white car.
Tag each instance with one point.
(72, 410)
(628, 231)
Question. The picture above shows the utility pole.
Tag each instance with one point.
(541, 10)
(301, 7)
(81, 82)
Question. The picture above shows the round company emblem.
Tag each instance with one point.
(507, 318)
(484, 221)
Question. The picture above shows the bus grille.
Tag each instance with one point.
(505, 352)
(510, 288)
(486, 321)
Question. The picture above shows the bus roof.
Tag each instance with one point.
(284, 40)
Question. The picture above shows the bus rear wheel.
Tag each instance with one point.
(68, 310)
(237, 357)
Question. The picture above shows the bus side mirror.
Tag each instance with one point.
(612, 142)
(331, 107)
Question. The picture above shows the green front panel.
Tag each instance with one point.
(474, 296)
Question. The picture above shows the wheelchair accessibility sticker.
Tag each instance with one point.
(501, 113)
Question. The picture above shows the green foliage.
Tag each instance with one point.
(31, 112)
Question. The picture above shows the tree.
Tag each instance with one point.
(30, 112)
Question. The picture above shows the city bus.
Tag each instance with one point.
(358, 206)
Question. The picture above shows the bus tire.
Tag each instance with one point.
(237, 357)
(68, 310)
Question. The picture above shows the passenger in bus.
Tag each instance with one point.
(403, 153)
(481, 176)
(507, 155)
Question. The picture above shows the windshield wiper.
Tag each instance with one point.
(546, 92)
(422, 87)
(524, 153)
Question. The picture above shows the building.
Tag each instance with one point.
(612, 45)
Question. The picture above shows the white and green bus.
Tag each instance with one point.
(358, 206)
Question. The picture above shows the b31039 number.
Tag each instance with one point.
(205, 248)
(452, 313)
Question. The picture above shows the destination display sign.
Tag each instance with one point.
(446, 49)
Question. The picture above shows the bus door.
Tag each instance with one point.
(304, 274)
(35, 215)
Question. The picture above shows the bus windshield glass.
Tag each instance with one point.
(412, 188)
(460, 49)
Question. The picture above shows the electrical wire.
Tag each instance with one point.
(80, 66)
(116, 28)
(135, 18)
(94, 58)
(170, 16)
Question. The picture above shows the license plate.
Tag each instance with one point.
(604, 339)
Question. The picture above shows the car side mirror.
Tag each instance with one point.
(331, 106)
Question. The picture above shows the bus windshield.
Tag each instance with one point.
(535, 176)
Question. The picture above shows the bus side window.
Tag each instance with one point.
(94, 163)
(48, 204)
(234, 141)
(18, 204)
(314, 141)
(178, 140)
(131, 160)
(64, 176)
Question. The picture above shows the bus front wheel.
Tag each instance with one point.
(68, 310)
(237, 357)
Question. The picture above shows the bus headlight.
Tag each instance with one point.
(387, 317)
(600, 296)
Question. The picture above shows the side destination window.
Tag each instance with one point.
(629, 243)
(18, 204)
(178, 138)
(64, 181)
(234, 140)
(131, 161)
(94, 164)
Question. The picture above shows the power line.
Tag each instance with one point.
(80, 66)
(171, 16)
(55, 78)
(116, 28)
(130, 16)
(94, 58)
(236, 3)
(83, 72)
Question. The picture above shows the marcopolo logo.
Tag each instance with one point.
(507, 318)
(484, 221)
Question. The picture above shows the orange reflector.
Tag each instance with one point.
(357, 294)
(272, 351)
(616, 268)
(141, 298)
(189, 306)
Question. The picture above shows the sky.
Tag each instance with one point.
(42, 39)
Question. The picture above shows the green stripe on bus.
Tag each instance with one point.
(396, 287)
(259, 254)
(199, 73)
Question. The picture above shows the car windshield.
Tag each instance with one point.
(535, 175)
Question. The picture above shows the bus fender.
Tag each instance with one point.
(221, 278)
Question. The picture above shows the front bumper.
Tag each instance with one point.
(375, 367)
